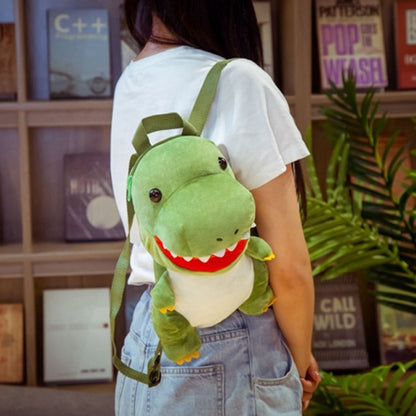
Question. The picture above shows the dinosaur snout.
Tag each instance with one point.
(205, 216)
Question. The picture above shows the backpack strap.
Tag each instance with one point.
(203, 102)
(141, 144)
(159, 122)
(153, 376)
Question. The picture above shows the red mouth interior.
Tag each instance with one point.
(213, 264)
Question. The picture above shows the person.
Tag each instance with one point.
(248, 365)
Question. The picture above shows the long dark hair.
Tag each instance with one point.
(225, 27)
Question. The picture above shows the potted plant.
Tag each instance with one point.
(358, 222)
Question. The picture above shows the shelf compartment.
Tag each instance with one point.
(11, 290)
(8, 118)
(10, 209)
(48, 146)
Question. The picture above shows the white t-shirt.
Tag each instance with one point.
(250, 118)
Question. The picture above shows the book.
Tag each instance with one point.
(8, 69)
(350, 38)
(76, 335)
(79, 53)
(405, 36)
(90, 210)
(339, 338)
(11, 343)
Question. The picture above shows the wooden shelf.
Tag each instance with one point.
(57, 113)
(61, 259)
(70, 259)
(29, 133)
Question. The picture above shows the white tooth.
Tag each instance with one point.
(246, 236)
(204, 259)
(232, 247)
(188, 258)
(173, 254)
(220, 253)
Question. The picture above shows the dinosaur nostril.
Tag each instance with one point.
(219, 239)
(236, 231)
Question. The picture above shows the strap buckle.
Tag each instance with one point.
(153, 369)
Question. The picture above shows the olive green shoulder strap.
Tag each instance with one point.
(206, 96)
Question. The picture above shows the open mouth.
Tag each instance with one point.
(212, 263)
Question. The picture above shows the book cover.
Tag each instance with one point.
(79, 53)
(90, 210)
(76, 335)
(11, 343)
(8, 70)
(405, 32)
(350, 38)
(339, 338)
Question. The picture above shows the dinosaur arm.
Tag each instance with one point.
(259, 249)
(163, 296)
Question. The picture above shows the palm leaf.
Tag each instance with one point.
(338, 239)
(385, 390)
(368, 198)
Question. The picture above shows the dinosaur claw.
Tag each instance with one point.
(270, 304)
(166, 309)
(188, 358)
(269, 257)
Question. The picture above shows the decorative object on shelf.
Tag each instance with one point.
(79, 53)
(8, 70)
(405, 33)
(264, 18)
(350, 38)
(397, 335)
(339, 341)
(91, 212)
(77, 342)
(11, 343)
(128, 45)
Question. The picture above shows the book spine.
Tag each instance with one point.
(8, 69)
(405, 32)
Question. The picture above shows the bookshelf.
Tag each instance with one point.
(34, 133)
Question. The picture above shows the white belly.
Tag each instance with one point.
(205, 300)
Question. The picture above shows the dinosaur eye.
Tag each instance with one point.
(155, 195)
(223, 163)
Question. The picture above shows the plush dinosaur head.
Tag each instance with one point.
(193, 214)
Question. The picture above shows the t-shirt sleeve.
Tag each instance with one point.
(255, 124)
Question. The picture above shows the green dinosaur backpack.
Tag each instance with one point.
(194, 219)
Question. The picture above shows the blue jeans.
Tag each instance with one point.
(244, 369)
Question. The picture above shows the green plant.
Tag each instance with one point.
(359, 223)
(383, 391)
